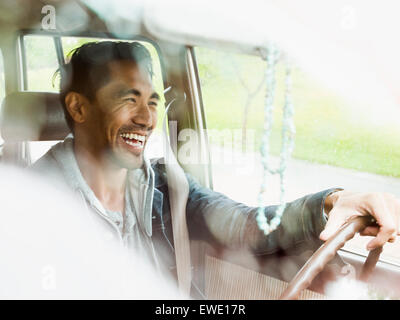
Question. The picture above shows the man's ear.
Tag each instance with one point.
(77, 106)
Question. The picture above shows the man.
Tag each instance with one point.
(111, 107)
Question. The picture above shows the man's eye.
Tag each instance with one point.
(130, 100)
(151, 103)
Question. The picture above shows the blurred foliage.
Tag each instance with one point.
(36, 56)
(41, 63)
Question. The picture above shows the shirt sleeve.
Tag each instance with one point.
(221, 221)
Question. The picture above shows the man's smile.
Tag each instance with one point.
(133, 141)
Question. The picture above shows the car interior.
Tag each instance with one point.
(30, 116)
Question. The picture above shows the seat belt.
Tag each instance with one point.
(178, 191)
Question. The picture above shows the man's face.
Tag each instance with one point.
(123, 115)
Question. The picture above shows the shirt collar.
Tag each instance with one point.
(140, 181)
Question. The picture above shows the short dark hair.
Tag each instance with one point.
(87, 71)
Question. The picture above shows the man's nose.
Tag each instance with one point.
(143, 116)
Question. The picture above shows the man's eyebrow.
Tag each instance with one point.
(126, 92)
(155, 95)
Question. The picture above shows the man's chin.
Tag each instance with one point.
(129, 160)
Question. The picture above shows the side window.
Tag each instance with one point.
(42, 64)
(233, 90)
(338, 143)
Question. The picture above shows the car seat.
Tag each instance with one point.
(30, 116)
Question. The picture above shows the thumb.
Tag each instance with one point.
(335, 220)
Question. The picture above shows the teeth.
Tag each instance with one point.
(133, 136)
(138, 144)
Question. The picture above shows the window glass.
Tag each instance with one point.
(42, 65)
(337, 144)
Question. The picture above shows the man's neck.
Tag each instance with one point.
(106, 180)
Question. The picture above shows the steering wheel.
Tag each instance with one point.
(326, 252)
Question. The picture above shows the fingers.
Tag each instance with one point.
(396, 213)
(384, 207)
(371, 231)
(380, 240)
(386, 215)
(337, 217)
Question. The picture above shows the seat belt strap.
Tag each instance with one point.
(178, 191)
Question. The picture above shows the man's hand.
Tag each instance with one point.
(384, 207)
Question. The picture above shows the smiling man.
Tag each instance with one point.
(111, 107)
(112, 129)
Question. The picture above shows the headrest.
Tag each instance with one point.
(32, 116)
